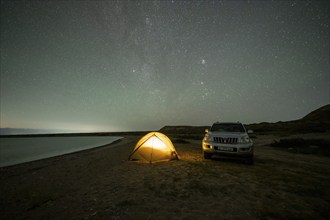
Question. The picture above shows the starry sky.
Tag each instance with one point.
(141, 65)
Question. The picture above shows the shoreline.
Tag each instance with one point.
(45, 162)
(62, 154)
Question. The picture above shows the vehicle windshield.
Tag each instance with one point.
(226, 127)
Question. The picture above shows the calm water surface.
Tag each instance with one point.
(20, 150)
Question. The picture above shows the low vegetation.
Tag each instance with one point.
(305, 146)
(180, 141)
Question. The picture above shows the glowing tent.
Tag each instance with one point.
(154, 147)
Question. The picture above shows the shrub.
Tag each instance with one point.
(306, 146)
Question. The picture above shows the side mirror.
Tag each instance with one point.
(250, 131)
(206, 130)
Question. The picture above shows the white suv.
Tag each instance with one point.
(228, 139)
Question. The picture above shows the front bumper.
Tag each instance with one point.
(235, 150)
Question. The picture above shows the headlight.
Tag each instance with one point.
(245, 139)
(207, 138)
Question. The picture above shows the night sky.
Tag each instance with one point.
(140, 65)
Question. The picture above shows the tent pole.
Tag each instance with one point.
(152, 149)
(138, 147)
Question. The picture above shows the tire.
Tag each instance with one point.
(207, 155)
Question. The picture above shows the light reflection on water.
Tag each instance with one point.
(20, 150)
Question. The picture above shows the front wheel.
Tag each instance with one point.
(207, 155)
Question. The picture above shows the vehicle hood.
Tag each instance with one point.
(226, 134)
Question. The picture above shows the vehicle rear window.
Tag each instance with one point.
(228, 127)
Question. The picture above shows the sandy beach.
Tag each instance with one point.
(101, 184)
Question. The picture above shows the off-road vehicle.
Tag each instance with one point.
(228, 139)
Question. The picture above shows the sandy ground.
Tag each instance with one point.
(101, 184)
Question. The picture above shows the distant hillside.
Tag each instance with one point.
(316, 121)
(183, 129)
(191, 132)
(320, 115)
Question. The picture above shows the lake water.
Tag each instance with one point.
(20, 150)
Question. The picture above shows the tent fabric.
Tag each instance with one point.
(154, 147)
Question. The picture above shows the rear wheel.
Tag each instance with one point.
(207, 155)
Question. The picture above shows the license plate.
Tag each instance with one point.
(226, 148)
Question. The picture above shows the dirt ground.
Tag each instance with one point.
(101, 184)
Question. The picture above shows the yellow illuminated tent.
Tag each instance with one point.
(154, 147)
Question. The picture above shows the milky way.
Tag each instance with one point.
(140, 65)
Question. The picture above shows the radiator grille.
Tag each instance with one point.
(223, 140)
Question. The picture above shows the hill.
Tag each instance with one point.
(316, 121)
(182, 131)
(321, 115)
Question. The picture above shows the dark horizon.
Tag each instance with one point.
(40, 131)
